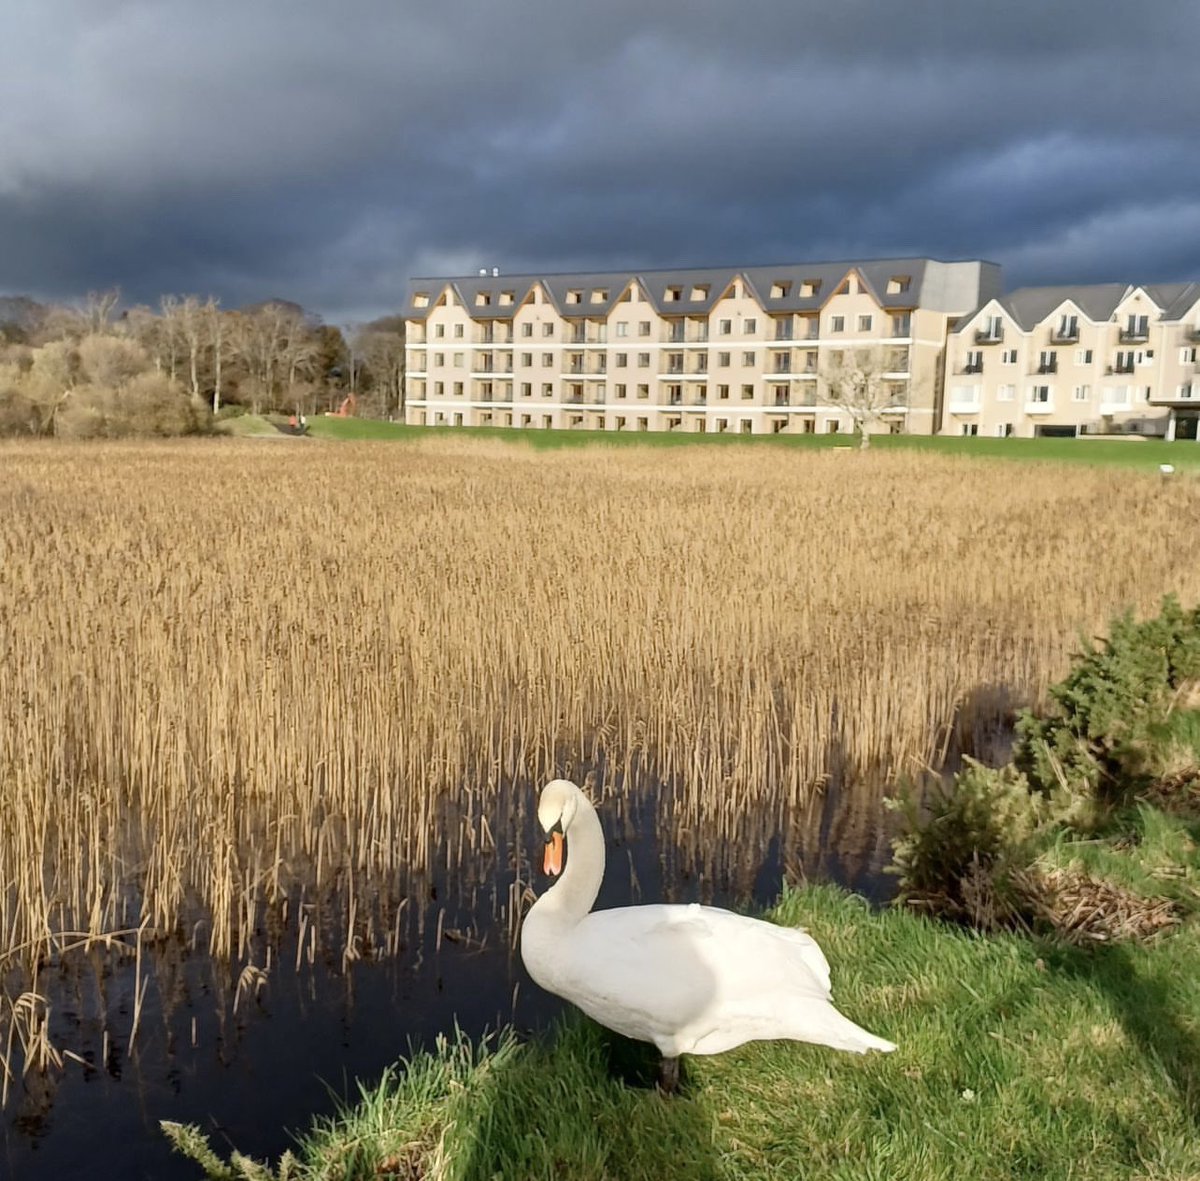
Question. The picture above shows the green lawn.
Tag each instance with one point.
(1144, 455)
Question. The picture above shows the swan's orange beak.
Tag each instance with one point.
(552, 862)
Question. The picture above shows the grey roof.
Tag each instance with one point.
(942, 286)
(1030, 306)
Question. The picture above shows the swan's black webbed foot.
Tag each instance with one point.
(668, 1076)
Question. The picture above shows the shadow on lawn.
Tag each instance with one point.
(1141, 1001)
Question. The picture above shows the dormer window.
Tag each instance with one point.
(421, 299)
(898, 284)
(507, 298)
(673, 295)
(599, 295)
(483, 299)
(699, 292)
(574, 297)
(780, 289)
(810, 287)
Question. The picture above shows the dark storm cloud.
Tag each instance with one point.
(324, 153)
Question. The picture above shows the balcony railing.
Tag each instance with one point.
(1135, 335)
(1064, 336)
(1193, 333)
(1121, 367)
(971, 369)
(987, 335)
(1048, 367)
(784, 332)
(783, 365)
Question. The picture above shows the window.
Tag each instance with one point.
(723, 393)
(748, 358)
(482, 298)
(898, 284)
(438, 389)
(506, 298)
(1187, 355)
(864, 323)
(547, 389)
(421, 299)
(747, 393)
(1083, 393)
(832, 427)
(1068, 327)
(725, 327)
(643, 391)
(599, 295)
(746, 426)
(699, 292)
(1047, 361)
(902, 324)
(458, 389)
(810, 287)
(622, 360)
(1083, 356)
(673, 294)
(751, 326)
(780, 289)
(1006, 393)
(574, 297)
(723, 360)
(547, 360)
(619, 390)
(458, 331)
(620, 423)
(969, 428)
(1124, 362)
(439, 358)
(1004, 430)
(643, 328)
(1008, 357)
(548, 328)
(837, 324)
(643, 360)
(643, 424)
(527, 328)
(526, 389)
(622, 328)
(439, 330)
(458, 360)
(1039, 394)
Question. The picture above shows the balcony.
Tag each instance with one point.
(783, 400)
(675, 334)
(1039, 407)
(783, 365)
(1135, 334)
(986, 335)
(977, 368)
(1192, 334)
(1064, 335)
(964, 403)
(1111, 403)
(1120, 367)
(1047, 367)
(784, 332)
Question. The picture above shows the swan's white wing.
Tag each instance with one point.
(662, 973)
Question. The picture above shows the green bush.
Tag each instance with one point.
(959, 849)
(1090, 741)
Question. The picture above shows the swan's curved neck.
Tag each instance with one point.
(572, 896)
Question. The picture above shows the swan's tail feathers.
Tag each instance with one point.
(830, 1028)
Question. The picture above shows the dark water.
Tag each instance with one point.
(254, 1077)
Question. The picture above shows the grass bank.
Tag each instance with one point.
(1137, 454)
(1017, 1059)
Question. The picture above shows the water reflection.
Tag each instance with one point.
(332, 987)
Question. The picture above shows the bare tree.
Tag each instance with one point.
(190, 317)
(380, 345)
(218, 341)
(859, 382)
(98, 309)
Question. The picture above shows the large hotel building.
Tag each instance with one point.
(747, 350)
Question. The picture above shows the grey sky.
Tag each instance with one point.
(324, 152)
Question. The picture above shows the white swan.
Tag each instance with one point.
(690, 979)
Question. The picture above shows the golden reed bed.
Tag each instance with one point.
(228, 667)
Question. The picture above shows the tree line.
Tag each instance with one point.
(98, 369)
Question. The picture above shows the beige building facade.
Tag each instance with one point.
(739, 351)
(1109, 359)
